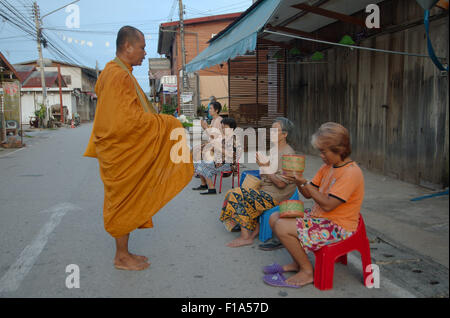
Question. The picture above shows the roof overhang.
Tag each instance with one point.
(238, 38)
(5, 63)
(241, 36)
(55, 63)
(301, 20)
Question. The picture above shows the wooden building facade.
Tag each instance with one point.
(257, 86)
(385, 89)
(395, 106)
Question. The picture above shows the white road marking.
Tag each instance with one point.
(393, 289)
(12, 152)
(16, 273)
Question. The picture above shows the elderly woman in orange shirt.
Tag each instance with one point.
(337, 190)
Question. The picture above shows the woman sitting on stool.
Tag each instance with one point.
(337, 191)
(217, 161)
(242, 206)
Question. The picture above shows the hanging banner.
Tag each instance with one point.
(186, 98)
(11, 94)
(170, 89)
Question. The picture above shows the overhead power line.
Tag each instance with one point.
(172, 10)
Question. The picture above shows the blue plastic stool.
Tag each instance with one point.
(246, 172)
(265, 232)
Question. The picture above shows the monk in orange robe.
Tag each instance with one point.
(133, 146)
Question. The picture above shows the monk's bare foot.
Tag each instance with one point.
(240, 242)
(140, 258)
(128, 262)
(302, 278)
(293, 267)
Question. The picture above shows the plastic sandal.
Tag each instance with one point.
(278, 280)
(273, 269)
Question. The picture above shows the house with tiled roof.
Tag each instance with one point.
(77, 89)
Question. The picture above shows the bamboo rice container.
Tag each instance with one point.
(251, 182)
(293, 164)
(292, 208)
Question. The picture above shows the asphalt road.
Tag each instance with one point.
(51, 217)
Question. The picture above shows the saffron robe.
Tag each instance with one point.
(133, 148)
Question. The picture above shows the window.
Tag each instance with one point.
(67, 79)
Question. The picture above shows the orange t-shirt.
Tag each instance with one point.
(345, 183)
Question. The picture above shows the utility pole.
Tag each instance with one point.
(2, 110)
(96, 68)
(184, 86)
(183, 51)
(60, 94)
(37, 20)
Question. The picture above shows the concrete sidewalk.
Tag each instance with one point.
(187, 245)
(409, 239)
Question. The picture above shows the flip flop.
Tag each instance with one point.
(278, 280)
(273, 269)
(270, 246)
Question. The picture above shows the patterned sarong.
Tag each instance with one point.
(242, 207)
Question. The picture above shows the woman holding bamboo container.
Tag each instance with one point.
(337, 190)
(242, 206)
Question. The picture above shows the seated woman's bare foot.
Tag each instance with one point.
(254, 234)
(130, 263)
(292, 267)
(240, 242)
(302, 278)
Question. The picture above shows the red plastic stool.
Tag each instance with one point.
(232, 178)
(337, 252)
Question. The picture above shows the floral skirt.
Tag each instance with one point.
(208, 169)
(315, 233)
(242, 207)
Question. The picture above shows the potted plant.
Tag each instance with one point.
(185, 121)
(168, 109)
(225, 109)
(40, 114)
(201, 110)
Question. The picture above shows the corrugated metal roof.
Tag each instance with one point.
(23, 71)
(34, 80)
(203, 19)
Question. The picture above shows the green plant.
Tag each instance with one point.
(41, 112)
(317, 56)
(278, 55)
(185, 121)
(168, 109)
(294, 52)
(201, 110)
(347, 39)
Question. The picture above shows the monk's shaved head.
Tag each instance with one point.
(127, 34)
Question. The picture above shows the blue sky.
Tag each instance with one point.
(99, 21)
